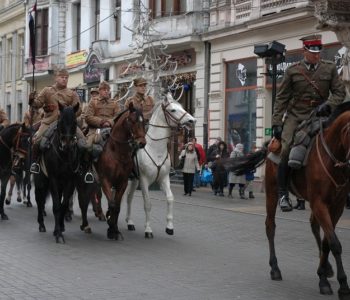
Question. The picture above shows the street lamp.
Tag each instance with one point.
(274, 54)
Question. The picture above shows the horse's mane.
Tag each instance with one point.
(138, 111)
(341, 108)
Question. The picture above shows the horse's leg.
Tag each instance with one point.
(315, 228)
(84, 196)
(9, 194)
(29, 187)
(96, 201)
(68, 211)
(2, 197)
(165, 186)
(57, 210)
(41, 184)
(330, 243)
(270, 225)
(130, 191)
(147, 206)
(19, 184)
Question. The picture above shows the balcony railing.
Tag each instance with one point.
(235, 12)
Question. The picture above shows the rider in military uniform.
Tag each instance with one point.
(48, 99)
(4, 121)
(101, 112)
(140, 100)
(311, 84)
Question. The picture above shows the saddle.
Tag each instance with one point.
(101, 137)
(46, 140)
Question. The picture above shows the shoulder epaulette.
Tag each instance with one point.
(327, 61)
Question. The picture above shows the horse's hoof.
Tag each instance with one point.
(169, 231)
(102, 218)
(19, 200)
(344, 294)
(110, 234)
(4, 217)
(88, 230)
(148, 235)
(7, 202)
(29, 204)
(131, 227)
(276, 275)
(119, 236)
(68, 218)
(42, 228)
(326, 289)
(44, 213)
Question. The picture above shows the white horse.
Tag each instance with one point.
(154, 159)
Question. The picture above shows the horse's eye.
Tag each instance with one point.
(173, 110)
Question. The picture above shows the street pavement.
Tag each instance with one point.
(219, 252)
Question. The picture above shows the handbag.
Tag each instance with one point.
(181, 162)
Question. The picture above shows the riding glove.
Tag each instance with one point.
(277, 131)
(323, 110)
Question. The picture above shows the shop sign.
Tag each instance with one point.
(76, 59)
(92, 73)
(41, 64)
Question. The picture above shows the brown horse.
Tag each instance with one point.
(115, 165)
(328, 166)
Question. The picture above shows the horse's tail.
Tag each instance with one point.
(248, 163)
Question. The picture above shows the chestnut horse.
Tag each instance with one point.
(114, 166)
(14, 139)
(328, 166)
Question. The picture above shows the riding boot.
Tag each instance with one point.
(36, 153)
(282, 180)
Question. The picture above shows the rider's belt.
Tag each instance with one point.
(312, 102)
(49, 107)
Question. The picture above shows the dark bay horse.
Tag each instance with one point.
(324, 182)
(14, 139)
(115, 165)
(61, 162)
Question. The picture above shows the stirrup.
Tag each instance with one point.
(35, 168)
(89, 177)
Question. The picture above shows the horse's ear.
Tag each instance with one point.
(60, 106)
(76, 107)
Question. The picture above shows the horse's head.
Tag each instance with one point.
(67, 125)
(22, 141)
(175, 114)
(136, 126)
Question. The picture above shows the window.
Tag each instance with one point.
(117, 18)
(1, 56)
(165, 8)
(19, 112)
(20, 56)
(8, 60)
(8, 110)
(41, 28)
(97, 20)
(77, 26)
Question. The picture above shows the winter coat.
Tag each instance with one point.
(191, 161)
(232, 177)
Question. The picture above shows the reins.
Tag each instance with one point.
(337, 163)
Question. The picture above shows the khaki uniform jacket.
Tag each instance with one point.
(48, 99)
(296, 94)
(143, 103)
(3, 118)
(99, 111)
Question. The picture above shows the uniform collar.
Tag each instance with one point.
(312, 67)
(140, 96)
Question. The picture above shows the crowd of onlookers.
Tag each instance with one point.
(202, 169)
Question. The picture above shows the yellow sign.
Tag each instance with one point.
(76, 59)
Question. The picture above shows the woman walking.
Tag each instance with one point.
(190, 165)
(234, 179)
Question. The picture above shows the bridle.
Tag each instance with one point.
(16, 142)
(336, 162)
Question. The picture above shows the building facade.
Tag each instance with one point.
(13, 89)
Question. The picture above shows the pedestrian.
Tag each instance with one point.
(201, 160)
(249, 177)
(48, 99)
(206, 176)
(234, 179)
(219, 171)
(141, 100)
(190, 164)
(4, 121)
(309, 85)
(211, 154)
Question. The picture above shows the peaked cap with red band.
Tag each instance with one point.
(312, 43)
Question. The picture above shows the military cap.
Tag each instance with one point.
(312, 43)
(94, 90)
(139, 81)
(104, 85)
(61, 72)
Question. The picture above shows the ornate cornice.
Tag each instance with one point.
(332, 13)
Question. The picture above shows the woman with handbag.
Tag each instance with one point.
(189, 157)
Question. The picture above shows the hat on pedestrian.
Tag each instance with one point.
(104, 85)
(61, 72)
(312, 43)
(140, 81)
(94, 90)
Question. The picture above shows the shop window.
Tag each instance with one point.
(241, 103)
